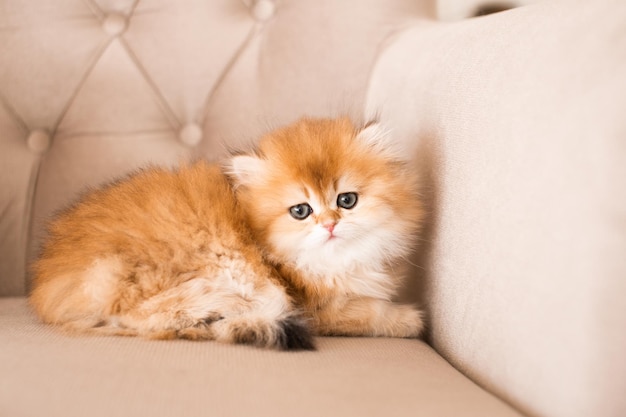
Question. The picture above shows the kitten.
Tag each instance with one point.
(296, 238)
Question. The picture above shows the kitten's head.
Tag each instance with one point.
(326, 197)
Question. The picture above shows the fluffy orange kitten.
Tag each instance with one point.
(297, 238)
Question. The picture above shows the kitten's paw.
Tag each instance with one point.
(408, 322)
(177, 325)
(208, 320)
(201, 329)
(369, 317)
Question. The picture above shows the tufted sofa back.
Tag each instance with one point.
(91, 89)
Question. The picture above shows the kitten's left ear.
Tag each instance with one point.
(379, 138)
(245, 169)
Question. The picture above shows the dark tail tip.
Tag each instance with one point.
(295, 335)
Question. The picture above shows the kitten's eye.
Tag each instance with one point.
(300, 211)
(347, 200)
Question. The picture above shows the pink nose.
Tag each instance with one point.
(330, 226)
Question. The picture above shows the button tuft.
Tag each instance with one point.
(114, 24)
(190, 134)
(38, 141)
(263, 10)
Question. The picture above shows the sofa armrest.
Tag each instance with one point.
(517, 121)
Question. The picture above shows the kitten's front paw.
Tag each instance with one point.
(369, 317)
(408, 322)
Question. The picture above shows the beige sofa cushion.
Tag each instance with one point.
(45, 373)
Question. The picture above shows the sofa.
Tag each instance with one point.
(516, 122)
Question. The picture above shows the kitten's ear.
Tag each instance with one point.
(372, 133)
(379, 139)
(245, 169)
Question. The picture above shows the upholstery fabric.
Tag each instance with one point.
(518, 121)
(100, 376)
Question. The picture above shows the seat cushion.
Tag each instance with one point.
(45, 372)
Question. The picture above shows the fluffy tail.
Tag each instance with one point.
(296, 335)
(289, 333)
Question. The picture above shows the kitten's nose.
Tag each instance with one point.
(328, 219)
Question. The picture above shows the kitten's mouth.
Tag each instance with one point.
(332, 237)
(331, 234)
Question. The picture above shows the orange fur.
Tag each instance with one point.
(206, 252)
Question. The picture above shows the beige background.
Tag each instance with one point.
(516, 122)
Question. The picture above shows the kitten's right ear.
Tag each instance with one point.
(245, 169)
